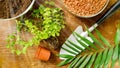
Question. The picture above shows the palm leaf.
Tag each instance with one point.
(98, 59)
(85, 40)
(65, 62)
(117, 36)
(76, 46)
(119, 54)
(85, 61)
(117, 41)
(74, 62)
(108, 57)
(74, 49)
(83, 44)
(91, 61)
(66, 56)
(102, 38)
(72, 52)
(94, 39)
(104, 56)
(115, 56)
(80, 61)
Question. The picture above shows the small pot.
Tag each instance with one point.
(42, 54)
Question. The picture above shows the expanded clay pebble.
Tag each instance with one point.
(84, 7)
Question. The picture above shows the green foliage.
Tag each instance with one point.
(49, 25)
(51, 3)
(95, 40)
(84, 39)
(119, 53)
(117, 36)
(98, 58)
(117, 41)
(115, 56)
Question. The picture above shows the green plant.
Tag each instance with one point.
(98, 58)
(49, 23)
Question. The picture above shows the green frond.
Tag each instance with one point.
(82, 43)
(104, 56)
(97, 61)
(108, 58)
(119, 53)
(65, 62)
(74, 62)
(117, 36)
(85, 40)
(102, 38)
(80, 61)
(72, 52)
(85, 61)
(115, 56)
(94, 39)
(66, 56)
(91, 61)
(117, 41)
(74, 49)
(75, 45)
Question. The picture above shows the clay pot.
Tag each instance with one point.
(42, 54)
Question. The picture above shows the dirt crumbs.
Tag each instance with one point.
(84, 7)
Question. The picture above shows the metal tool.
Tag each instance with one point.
(79, 30)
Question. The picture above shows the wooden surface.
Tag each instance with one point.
(9, 60)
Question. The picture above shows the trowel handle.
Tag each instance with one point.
(106, 15)
(109, 12)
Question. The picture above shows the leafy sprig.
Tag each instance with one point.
(51, 22)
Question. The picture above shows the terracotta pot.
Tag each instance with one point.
(42, 54)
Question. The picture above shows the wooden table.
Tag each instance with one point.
(9, 60)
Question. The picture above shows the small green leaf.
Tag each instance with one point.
(18, 52)
(74, 62)
(94, 39)
(66, 56)
(65, 62)
(74, 49)
(109, 55)
(24, 49)
(76, 46)
(117, 36)
(85, 61)
(83, 44)
(115, 56)
(86, 40)
(102, 38)
(91, 61)
(103, 58)
(51, 3)
(119, 53)
(80, 61)
(72, 52)
(98, 59)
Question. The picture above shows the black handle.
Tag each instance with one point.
(109, 12)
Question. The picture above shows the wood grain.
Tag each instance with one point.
(9, 60)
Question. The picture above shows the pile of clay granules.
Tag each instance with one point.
(84, 7)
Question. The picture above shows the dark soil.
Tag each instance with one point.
(12, 8)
